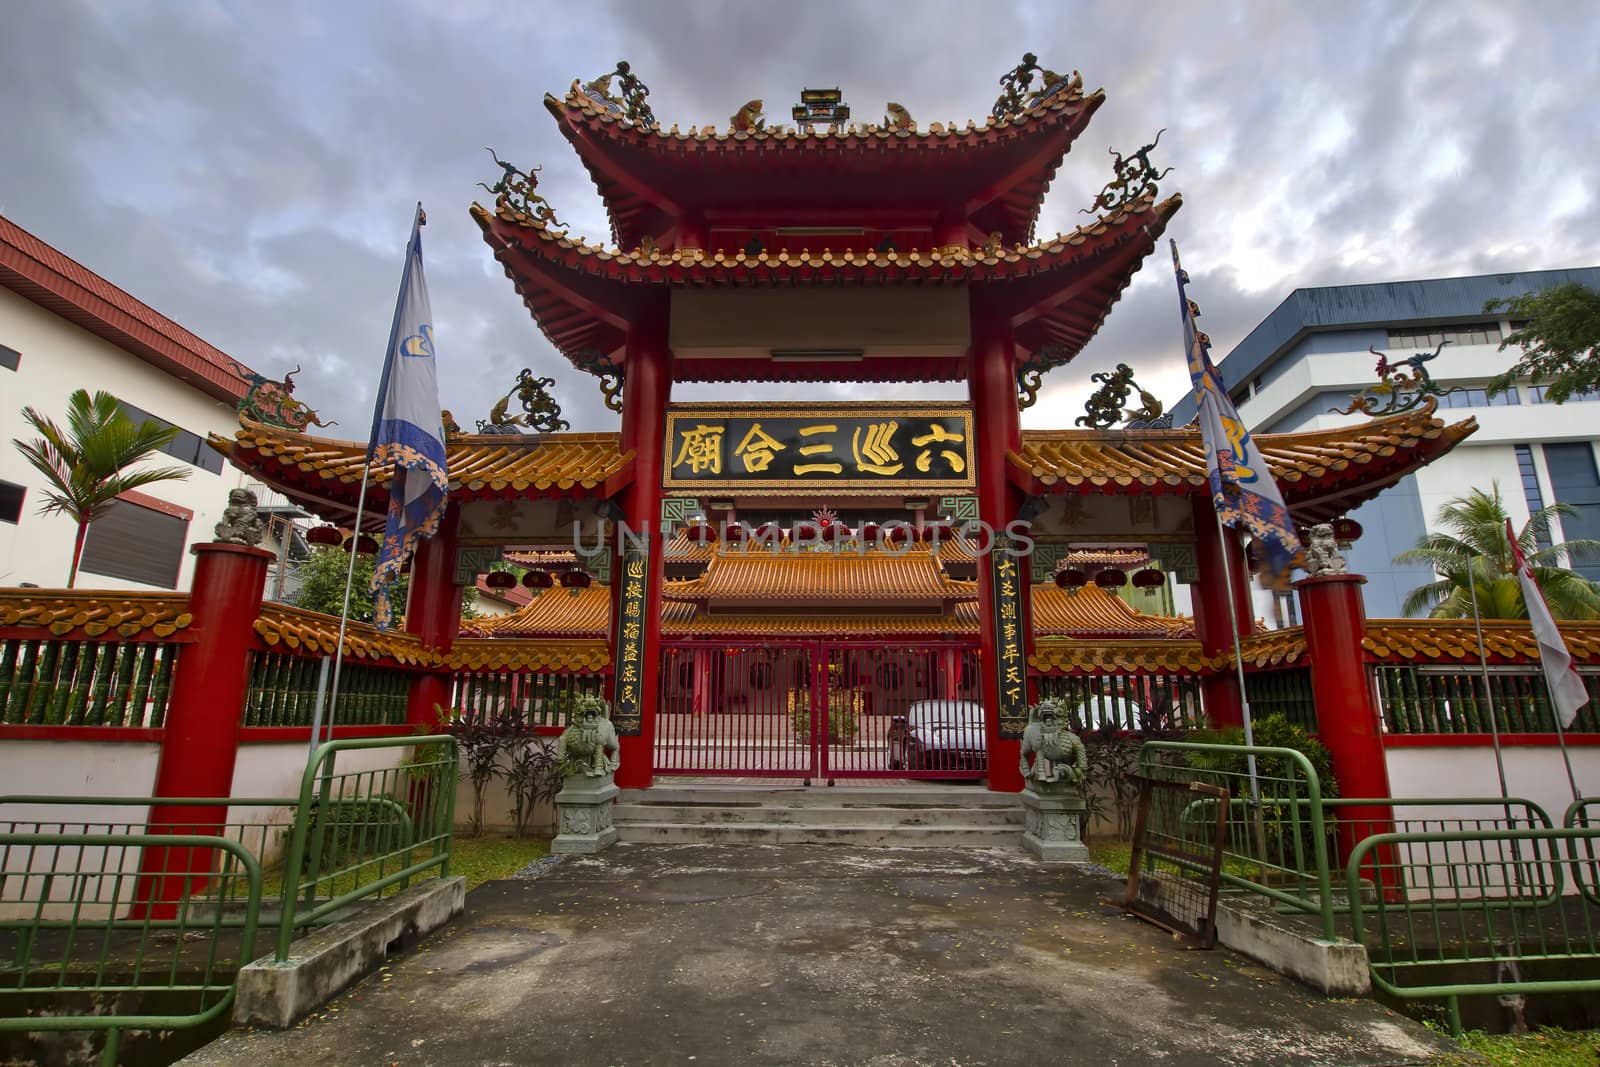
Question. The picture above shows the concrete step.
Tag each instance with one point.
(842, 796)
(816, 815)
(788, 834)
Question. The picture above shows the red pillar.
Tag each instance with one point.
(950, 230)
(1347, 715)
(647, 390)
(997, 421)
(1216, 619)
(433, 614)
(200, 741)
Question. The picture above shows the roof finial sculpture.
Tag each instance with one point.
(515, 192)
(1030, 377)
(1017, 93)
(748, 118)
(1135, 177)
(1105, 406)
(1402, 385)
(610, 375)
(630, 105)
(541, 413)
(273, 404)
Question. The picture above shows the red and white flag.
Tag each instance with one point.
(1567, 691)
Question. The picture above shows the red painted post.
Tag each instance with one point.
(645, 396)
(1213, 611)
(997, 421)
(433, 614)
(200, 743)
(1347, 715)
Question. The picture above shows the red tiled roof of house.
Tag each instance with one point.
(59, 283)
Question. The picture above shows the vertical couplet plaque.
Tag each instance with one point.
(1009, 586)
(626, 706)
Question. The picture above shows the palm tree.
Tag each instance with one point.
(86, 465)
(1474, 542)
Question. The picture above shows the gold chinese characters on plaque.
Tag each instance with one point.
(1009, 578)
(627, 705)
(830, 448)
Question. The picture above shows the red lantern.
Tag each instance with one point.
(538, 580)
(1346, 530)
(1111, 578)
(1149, 578)
(1071, 578)
(899, 533)
(365, 545)
(804, 531)
(702, 532)
(325, 536)
(935, 531)
(500, 580)
(575, 580)
(836, 531)
(868, 532)
(770, 532)
(733, 534)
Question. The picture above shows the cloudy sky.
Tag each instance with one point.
(249, 169)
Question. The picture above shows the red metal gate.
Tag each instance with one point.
(820, 710)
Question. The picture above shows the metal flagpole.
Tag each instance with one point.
(1494, 712)
(1238, 661)
(418, 221)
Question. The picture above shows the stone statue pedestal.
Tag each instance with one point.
(1053, 821)
(584, 805)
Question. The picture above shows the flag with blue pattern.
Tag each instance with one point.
(407, 432)
(1242, 486)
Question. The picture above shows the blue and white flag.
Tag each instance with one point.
(407, 431)
(1242, 486)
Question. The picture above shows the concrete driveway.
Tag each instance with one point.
(702, 954)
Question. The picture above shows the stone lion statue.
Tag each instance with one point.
(240, 524)
(1322, 554)
(1058, 755)
(589, 745)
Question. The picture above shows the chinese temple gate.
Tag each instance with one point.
(775, 585)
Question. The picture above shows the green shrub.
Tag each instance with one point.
(844, 721)
(1273, 731)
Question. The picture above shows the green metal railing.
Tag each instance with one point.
(282, 691)
(46, 681)
(1277, 837)
(534, 698)
(73, 881)
(1130, 702)
(1456, 700)
(366, 833)
(71, 946)
(1476, 912)
(1283, 692)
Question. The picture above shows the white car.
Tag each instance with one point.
(938, 735)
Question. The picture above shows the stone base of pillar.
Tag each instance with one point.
(584, 805)
(1053, 824)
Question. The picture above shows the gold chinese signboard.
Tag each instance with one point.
(825, 448)
(627, 703)
(1010, 586)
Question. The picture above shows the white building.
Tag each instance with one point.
(63, 327)
(1311, 355)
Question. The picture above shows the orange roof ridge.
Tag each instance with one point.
(52, 279)
(945, 256)
(1054, 107)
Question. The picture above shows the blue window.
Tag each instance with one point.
(9, 357)
(1575, 481)
(1530, 487)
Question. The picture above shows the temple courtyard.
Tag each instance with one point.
(709, 954)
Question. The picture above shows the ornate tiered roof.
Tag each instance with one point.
(1057, 292)
(1323, 473)
(996, 171)
(728, 600)
(324, 475)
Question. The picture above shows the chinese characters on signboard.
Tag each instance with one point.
(627, 705)
(851, 448)
(1010, 586)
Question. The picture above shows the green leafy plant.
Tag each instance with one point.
(1111, 792)
(482, 739)
(533, 776)
(1559, 337)
(1471, 551)
(844, 720)
(87, 464)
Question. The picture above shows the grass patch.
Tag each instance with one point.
(1544, 1048)
(486, 858)
(1113, 855)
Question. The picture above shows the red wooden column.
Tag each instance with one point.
(433, 614)
(1216, 619)
(997, 421)
(647, 389)
(200, 744)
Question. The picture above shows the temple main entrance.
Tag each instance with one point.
(819, 709)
